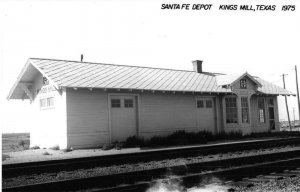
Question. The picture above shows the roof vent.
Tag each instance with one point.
(197, 64)
(81, 57)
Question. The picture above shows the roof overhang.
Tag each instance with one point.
(22, 88)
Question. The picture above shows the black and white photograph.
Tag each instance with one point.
(150, 96)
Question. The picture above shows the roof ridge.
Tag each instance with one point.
(118, 65)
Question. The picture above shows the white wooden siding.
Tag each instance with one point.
(87, 118)
(162, 114)
(49, 126)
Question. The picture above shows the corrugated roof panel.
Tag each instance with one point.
(143, 82)
(138, 79)
(197, 81)
(131, 82)
(191, 81)
(115, 82)
(99, 78)
(153, 80)
(65, 75)
(182, 82)
(201, 83)
(208, 84)
(101, 70)
(97, 75)
(168, 80)
(52, 65)
(173, 80)
(80, 75)
(163, 80)
(65, 68)
(43, 63)
(157, 82)
(112, 77)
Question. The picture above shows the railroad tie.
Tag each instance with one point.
(259, 179)
(285, 174)
(273, 177)
(245, 184)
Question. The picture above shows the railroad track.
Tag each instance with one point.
(141, 180)
(190, 175)
(14, 170)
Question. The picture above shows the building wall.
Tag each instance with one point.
(48, 125)
(164, 113)
(159, 114)
(263, 127)
(88, 115)
(254, 125)
(87, 118)
(245, 128)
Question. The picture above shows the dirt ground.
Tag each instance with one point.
(12, 142)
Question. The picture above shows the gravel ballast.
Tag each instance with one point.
(99, 171)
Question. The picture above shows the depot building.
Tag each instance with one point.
(82, 104)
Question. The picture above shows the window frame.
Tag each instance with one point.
(131, 105)
(198, 101)
(48, 104)
(259, 110)
(245, 108)
(112, 103)
(234, 111)
(270, 103)
(210, 106)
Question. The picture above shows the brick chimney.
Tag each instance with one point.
(197, 64)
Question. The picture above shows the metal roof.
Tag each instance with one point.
(110, 76)
(62, 73)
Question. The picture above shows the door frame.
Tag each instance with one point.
(137, 101)
(214, 98)
(270, 127)
(268, 107)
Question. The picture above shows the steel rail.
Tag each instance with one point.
(13, 170)
(139, 179)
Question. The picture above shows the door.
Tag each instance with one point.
(206, 114)
(123, 116)
(271, 119)
(271, 114)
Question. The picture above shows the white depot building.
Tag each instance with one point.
(86, 104)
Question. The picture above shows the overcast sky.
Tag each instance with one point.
(263, 43)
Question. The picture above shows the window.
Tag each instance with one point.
(128, 103)
(115, 103)
(245, 110)
(42, 103)
(261, 110)
(270, 102)
(208, 104)
(200, 104)
(231, 110)
(50, 101)
(47, 102)
(243, 84)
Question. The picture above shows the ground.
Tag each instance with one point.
(13, 142)
(15, 150)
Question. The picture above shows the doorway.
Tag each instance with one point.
(123, 117)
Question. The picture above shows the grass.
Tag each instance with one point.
(46, 153)
(5, 156)
(55, 148)
(202, 137)
(15, 142)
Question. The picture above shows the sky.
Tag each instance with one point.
(130, 32)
